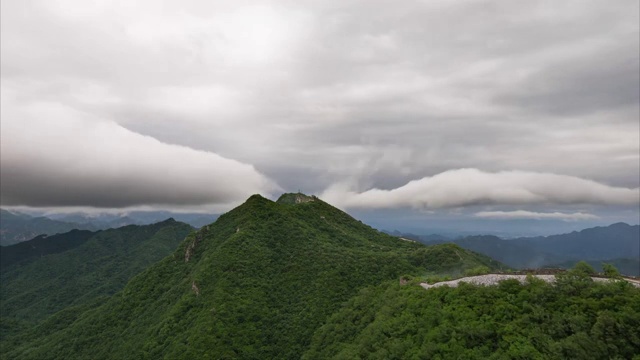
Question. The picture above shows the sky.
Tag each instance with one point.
(431, 115)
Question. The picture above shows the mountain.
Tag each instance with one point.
(255, 284)
(619, 240)
(47, 274)
(110, 220)
(196, 220)
(99, 221)
(509, 252)
(42, 245)
(575, 318)
(16, 227)
(599, 244)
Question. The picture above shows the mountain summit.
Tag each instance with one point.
(295, 198)
(257, 283)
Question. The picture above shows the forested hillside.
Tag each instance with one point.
(255, 284)
(45, 275)
(575, 318)
(300, 278)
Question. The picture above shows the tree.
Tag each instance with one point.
(610, 271)
(583, 268)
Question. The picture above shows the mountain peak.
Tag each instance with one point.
(257, 199)
(619, 225)
(295, 198)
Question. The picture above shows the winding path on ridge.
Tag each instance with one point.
(493, 279)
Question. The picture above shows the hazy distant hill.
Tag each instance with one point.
(255, 284)
(617, 241)
(110, 220)
(17, 227)
(47, 274)
(512, 253)
(196, 220)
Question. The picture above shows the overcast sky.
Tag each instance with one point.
(477, 110)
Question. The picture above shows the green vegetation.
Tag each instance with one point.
(610, 271)
(255, 284)
(45, 275)
(28, 251)
(298, 278)
(583, 268)
(574, 319)
(480, 270)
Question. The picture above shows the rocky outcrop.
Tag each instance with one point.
(192, 245)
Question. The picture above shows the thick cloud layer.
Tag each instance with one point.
(314, 94)
(470, 187)
(56, 156)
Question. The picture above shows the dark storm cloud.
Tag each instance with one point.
(313, 94)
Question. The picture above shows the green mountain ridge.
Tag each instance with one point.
(44, 275)
(26, 251)
(255, 284)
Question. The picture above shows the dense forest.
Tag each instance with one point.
(255, 284)
(575, 318)
(45, 275)
(299, 278)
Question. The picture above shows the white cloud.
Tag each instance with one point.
(56, 156)
(523, 214)
(467, 187)
(314, 93)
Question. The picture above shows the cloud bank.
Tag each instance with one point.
(469, 187)
(314, 94)
(523, 214)
(55, 156)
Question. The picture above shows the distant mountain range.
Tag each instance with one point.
(16, 227)
(617, 243)
(106, 220)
